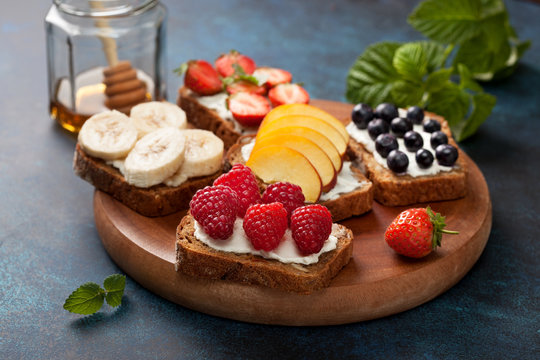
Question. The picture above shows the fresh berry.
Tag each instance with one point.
(397, 161)
(225, 63)
(415, 114)
(446, 155)
(247, 108)
(424, 158)
(288, 94)
(386, 111)
(413, 141)
(245, 86)
(431, 125)
(202, 78)
(274, 76)
(416, 232)
(361, 115)
(265, 225)
(377, 127)
(243, 182)
(215, 208)
(290, 195)
(438, 138)
(385, 143)
(311, 225)
(400, 126)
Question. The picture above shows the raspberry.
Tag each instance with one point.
(215, 208)
(241, 179)
(290, 195)
(311, 225)
(265, 225)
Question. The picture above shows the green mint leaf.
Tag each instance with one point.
(451, 102)
(482, 106)
(181, 69)
(86, 300)
(410, 61)
(114, 284)
(438, 79)
(435, 54)
(407, 93)
(466, 79)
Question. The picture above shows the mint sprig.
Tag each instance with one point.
(89, 297)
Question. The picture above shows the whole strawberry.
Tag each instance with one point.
(265, 225)
(243, 182)
(416, 232)
(201, 77)
(311, 225)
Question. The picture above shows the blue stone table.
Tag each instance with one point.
(49, 244)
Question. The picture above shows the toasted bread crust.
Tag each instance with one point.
(195, 258)
(158, 200)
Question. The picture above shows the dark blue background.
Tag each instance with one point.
(49, 244)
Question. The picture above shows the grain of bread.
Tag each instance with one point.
(158, 200)
(195, 258)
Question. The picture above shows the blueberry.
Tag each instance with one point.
(400, 126)
(386, 111)
(362, 115)
(377, 127)
(438, 138)
(413, 140)
(415, 114)
(397, 161)
(431, 125)
(385, 143)
(446, 155)
(424, 158)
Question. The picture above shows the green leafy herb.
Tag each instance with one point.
(239, 74)
(89, 297)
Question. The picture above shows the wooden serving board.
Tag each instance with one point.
(377, 282)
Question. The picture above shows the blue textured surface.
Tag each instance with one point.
(49, 244)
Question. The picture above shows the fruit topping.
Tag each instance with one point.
(400, 126)
(273, 76)
(385, 143)
(311, 225)
(446, 155)
(248, 109)
(424, 158)
(243, 182)
(245, 86)
(413, 140)
(215, 208)
(397, 161)
(288, 94)
(415, 114)
(386, 111)
(202, 78)
(225, 64)
(290, 195)
(416, 232)
(265, 225)
(361, 115)
(438, 138)
(431, 125)
(377, 127)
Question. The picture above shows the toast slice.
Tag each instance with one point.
(391, 189)
(158, 200)
(353, 203)
(195, 258)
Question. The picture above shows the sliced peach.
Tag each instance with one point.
(310, 134)
(275, 163)
(309, 110)
(316, 156)
(308, 121)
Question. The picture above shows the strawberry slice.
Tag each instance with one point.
(245, 86)
(202, 78)
(224, 63)
(288, 94)
(274, 76)
(248, 109)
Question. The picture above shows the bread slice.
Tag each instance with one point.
(195, 258)
(158, 200)
(391, 189)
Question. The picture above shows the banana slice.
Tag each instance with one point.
(108, 135)
(150, 116)
(155, 157)
(203, 156)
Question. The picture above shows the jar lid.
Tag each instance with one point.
(104, 8)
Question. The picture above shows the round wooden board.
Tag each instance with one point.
(377, 282)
